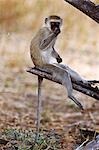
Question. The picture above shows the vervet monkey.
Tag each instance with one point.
(44, 55)
(42, 45)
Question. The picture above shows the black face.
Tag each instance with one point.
(55, 25)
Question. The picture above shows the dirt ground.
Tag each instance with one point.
(18, 100)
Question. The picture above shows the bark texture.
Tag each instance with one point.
(87, 7)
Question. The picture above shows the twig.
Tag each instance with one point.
(81, 146)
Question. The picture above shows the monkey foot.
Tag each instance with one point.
(93, 81)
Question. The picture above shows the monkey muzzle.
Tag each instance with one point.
(55, 26)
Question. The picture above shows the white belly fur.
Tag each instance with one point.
(48, 57)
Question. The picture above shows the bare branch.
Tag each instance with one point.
(81, 87)
(87, 7)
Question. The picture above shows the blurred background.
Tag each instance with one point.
(78, 45)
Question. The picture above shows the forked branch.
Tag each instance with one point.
(78, 86)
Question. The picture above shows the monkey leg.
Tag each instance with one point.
(63, 76)
(76, 77)
(67, 83)
(73, 74)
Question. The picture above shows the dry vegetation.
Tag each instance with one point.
(78, 45)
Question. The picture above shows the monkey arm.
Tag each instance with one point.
(48, 37)
(46, 41)
(56, 55)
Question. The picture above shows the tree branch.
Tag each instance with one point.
(87, 7)
(78, 86)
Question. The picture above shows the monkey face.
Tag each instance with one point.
(54, 25)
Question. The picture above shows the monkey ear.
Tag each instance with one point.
(46, 19)
(61, 21)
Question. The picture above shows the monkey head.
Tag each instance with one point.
(53, 22)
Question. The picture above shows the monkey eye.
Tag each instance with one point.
(57, 24)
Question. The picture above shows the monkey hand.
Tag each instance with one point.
(59, 59)
(57, 31)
